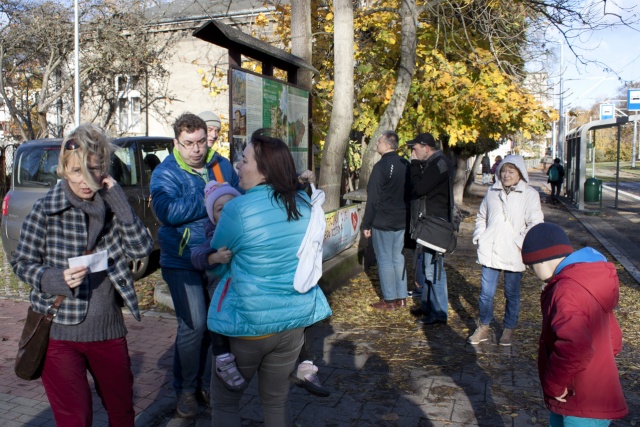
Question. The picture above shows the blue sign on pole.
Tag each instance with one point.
(607, 111)
(633, 100)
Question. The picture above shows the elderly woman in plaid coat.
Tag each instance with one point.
(87, 211)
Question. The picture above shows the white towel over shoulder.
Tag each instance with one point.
(309, 268)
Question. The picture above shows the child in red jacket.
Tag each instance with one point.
(580, 335)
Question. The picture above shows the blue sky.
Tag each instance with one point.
(618, 52)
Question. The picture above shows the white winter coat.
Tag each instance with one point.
(504, 219)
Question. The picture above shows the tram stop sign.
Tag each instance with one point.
(607, 111)
(633, 100)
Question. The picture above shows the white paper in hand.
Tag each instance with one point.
(94, 262)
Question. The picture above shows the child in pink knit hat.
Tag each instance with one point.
(216, 195)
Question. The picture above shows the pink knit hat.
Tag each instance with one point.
(212, 191)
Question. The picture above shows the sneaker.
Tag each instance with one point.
(426, 321)
(227, 371)
(416, 310)
(384, 305)
(187, 406)
(416, 293)
(203, 398)
(401, 303)
(480, 335)
(306, 377)
(507, 337)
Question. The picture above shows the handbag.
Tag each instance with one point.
(34, 341)
(435, 233)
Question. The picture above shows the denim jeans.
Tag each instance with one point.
(556, 420)
(192, 352)
(388, 246)
(435, 299)
(273, 358)
(418, 269)
(488, 285)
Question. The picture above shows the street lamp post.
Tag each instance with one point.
(635, 138)
(77, 65)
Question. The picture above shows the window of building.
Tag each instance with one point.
(128, 104)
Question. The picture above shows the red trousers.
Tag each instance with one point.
(65, 381)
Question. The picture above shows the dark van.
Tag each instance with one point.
(34, 173)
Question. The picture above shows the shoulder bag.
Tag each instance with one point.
(34, 341)
(435, 233)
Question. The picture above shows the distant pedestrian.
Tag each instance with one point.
(86, 211)
(494, 168)
(509, 209)
(385, 220)
(580, 335)
(556, 176)
(486, 170)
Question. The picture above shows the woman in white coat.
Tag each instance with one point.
(509, 209)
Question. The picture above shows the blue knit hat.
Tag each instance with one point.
(545, 241)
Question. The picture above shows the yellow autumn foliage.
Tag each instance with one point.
(462, 95)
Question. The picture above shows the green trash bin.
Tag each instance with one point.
(592, 190)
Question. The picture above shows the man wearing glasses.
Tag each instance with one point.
(177, 193)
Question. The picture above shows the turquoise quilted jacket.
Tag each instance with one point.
(256, 296)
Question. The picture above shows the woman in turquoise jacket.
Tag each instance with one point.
(256, 303)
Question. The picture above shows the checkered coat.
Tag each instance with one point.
(55, 231)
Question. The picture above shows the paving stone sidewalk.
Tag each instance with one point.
(363, 395)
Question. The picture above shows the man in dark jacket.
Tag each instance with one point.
(177, 194)
(385, 220)
(486, 170)
(430, 171)
(556, 176)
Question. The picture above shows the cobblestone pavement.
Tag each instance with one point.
(362, 391)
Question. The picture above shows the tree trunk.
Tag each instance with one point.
(337, 140)
(44, 125)
(459, 179)
(13, 111)
(301, 47)
(406, 70)
(472, 176)
(301, 38)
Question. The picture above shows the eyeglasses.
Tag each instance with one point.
(71, 145)
(190, 144)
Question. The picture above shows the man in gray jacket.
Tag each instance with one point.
(385, 220)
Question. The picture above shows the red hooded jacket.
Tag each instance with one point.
(579, 341)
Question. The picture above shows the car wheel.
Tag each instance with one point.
(138, 267)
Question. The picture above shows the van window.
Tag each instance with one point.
(153, 153)
(123, 167)
(36, 167)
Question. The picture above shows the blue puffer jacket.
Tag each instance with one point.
(256, 296)
(177, 196)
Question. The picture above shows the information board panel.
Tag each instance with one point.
(264, 102)
(607, 111)
(633, 100)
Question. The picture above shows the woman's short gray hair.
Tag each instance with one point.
(86, 140)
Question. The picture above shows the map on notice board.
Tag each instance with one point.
(263, 102)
